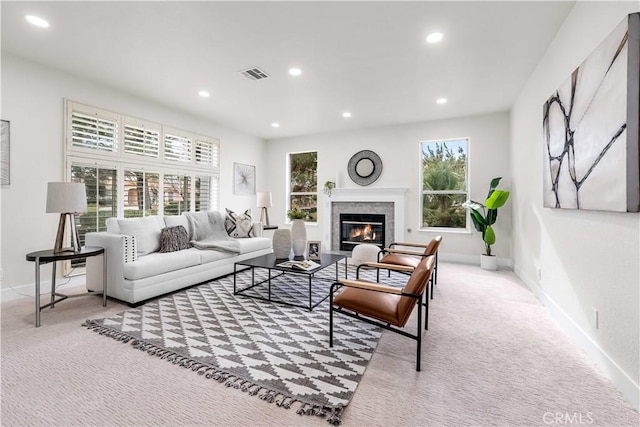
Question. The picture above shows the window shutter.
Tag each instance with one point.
(141, 138)
(206, 152)
(96, 130)
(177, 146)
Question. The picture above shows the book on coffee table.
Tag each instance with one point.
(304, 265)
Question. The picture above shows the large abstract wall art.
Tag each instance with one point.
(591, 131)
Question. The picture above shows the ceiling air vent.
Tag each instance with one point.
(254, 73)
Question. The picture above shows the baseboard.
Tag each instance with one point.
(627, 386)
(28, 291)
(471, 259)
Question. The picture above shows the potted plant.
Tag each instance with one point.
(298, 230)
(328, 187)
(483, 221)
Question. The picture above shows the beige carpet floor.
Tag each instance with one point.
(492, 356)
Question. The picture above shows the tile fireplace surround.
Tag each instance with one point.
(388, 201)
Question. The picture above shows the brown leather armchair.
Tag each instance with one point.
(392, 256)
(385, 306)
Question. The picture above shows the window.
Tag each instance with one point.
(303, 183)
(444, 183)
(134, 167)
(93, 129)
(177, 191)
(102, 195)
(141, 193)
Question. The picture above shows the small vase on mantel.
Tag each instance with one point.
(298, 237)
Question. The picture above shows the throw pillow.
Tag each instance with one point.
(238, 225)
(174, 239)
(146, 230)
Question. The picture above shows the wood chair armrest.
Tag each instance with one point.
(371, 286)
(388, 266)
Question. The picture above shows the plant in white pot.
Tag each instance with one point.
(483, 221)
(298, 230)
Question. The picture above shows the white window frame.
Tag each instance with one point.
(422, 192)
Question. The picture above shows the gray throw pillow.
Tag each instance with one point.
(238, 225)
(174, 239)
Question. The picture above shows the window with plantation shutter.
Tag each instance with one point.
(206, 152)
(141, 138)
(93, 129)
(177, 146)
(135, 167)
(206, 196)
(177, 191)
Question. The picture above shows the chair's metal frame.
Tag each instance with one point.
(387, 326)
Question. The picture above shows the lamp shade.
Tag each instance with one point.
(64, 197)
(264, 199)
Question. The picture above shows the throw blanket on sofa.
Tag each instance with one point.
(208, 232)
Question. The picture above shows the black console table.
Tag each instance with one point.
(47, 256)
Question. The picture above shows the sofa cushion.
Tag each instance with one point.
(254, 244)
(238, 225)
(174, 239)
(146, 230)
(159, 263)
(176, 220)
(207, 255)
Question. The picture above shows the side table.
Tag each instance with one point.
(47, 256)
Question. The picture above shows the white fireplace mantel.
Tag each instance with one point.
(364, 194)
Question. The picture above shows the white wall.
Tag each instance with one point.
(398, 147)
(586, 259)
(32, 99)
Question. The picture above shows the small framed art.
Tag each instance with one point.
(313, 249)
(244, 179)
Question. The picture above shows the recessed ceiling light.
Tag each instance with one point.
(346, 114)
(204, 94)
(275, 124)
(434, 37)
(38, 22)
(441, 100)
(295, 71)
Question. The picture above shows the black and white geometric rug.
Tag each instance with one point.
(277, 352)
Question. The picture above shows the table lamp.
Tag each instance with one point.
(264, 202)
(66, 198)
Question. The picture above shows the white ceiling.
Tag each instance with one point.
(369, 58)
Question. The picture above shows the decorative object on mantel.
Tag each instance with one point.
(67, 199)
(5, 175)
(483, 221)
(244, 179)
(297, 369)
(591, 129)
(282, 243)
(264, 201)
(328, 187)
(364, 167)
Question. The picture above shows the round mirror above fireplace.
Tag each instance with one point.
(364, 167)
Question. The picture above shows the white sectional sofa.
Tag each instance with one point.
(136, 271)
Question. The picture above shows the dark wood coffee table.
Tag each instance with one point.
(270, 262)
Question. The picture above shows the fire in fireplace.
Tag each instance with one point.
(356, 229)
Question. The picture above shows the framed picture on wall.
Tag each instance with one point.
(313, 249)
(244, 179)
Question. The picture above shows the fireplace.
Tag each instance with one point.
(358, 228)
